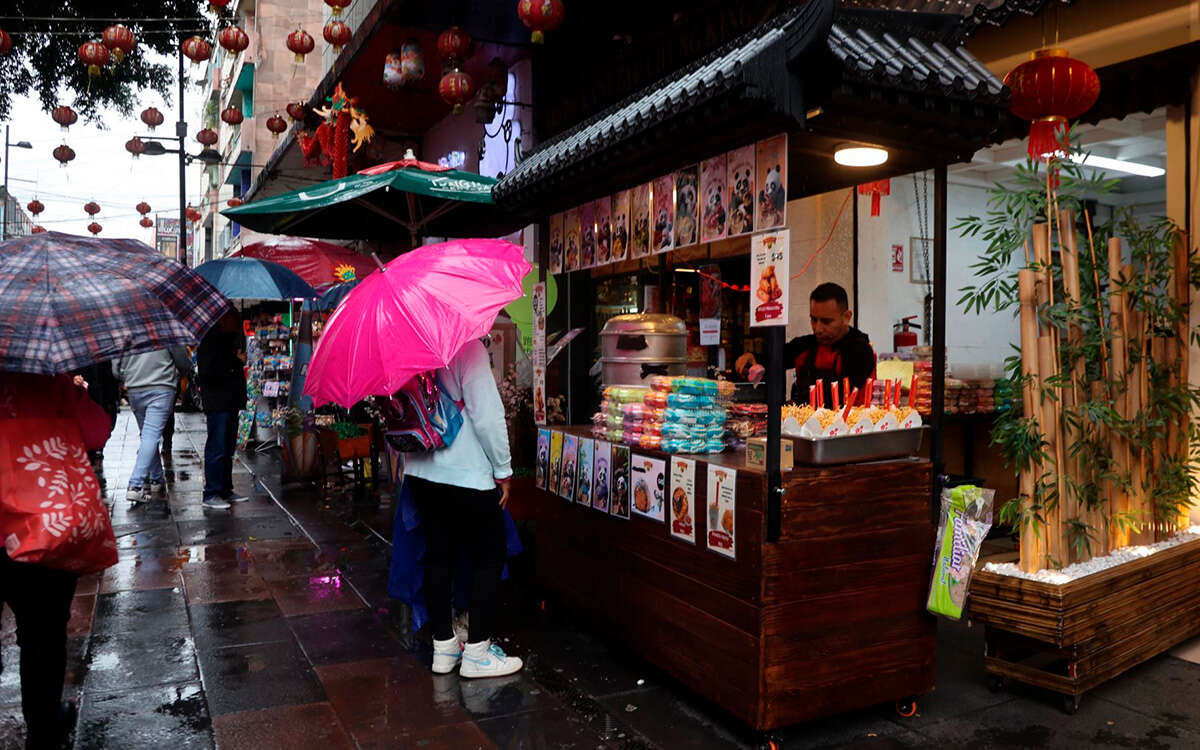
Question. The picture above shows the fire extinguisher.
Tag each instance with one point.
(904, 337)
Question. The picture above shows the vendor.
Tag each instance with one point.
(834, 351)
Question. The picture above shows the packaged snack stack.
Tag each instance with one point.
(985, 399)
(747, 420)
(954, 395)
(693, 419)
(622, 415)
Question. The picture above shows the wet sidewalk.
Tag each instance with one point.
(269, 626)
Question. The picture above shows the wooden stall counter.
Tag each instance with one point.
(829, 618)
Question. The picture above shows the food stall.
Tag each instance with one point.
(781, 593)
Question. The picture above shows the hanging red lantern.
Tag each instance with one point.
(456, 88)
(95, 56)
(338, 34)
(296, 111)
(207, 137)
(541, 16)
(196, 49)
(152, 117)
(95, 228)
(232, 115)
(146, 222)
(143, 208)
(35, 207)
(91, 208)
(217, 5)
(234, 202)
(64, 154)
(135, 146)
(277, 125)
(1050, 89)
(193, 215)
(64, 116)
(39, 229)
(5, 42)
(119, 40)
(454, 45)
(875, 190)
(301, 43)
(338, 6)
(233, 39)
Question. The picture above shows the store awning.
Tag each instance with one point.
(825, 75)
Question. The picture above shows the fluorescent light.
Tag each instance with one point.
(1118, 165)
(853, 155)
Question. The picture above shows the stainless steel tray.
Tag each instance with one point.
(847, 449)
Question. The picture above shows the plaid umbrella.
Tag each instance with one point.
(67, 302)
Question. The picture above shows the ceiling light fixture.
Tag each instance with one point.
(1117, 165)
(859, 155)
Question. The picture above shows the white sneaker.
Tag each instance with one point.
(446, 655)
(237, 499)
(486, 659)
(158, 489)
(215, 503)
(136, 494)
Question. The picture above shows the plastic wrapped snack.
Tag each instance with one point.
(688, 401)
(634, 412)
(966, 518)
(656, 399)
(662, 383)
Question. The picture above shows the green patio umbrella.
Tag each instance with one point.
(423, 198)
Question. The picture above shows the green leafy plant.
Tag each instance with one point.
(346, 430)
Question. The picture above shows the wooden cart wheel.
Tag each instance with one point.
(1070, 704)
(907, 707)
(995, 683)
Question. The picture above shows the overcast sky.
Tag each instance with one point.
(103, 170)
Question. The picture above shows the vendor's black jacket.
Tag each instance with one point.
(219, 372)
(851, 357)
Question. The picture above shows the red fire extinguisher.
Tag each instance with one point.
(904, 337)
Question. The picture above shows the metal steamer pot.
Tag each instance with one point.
(634, 348)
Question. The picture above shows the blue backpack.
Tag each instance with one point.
(421, 416)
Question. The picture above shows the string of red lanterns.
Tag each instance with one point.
(338, 6)
(541, 16)
(95, 56)
(119, 40)
(91, 208)
(95, 228)
(64, 154)
(152, 117)
(233, 39)
(143, 208)
(135, 146)
(146, 222)
(232, 115)
(35, 207)
(64, 116)
(196, 49)
(300, 42)
(337, 34)
(1050, 89)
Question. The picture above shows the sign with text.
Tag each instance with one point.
(770, 278)
(539, 353)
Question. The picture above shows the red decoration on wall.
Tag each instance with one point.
(330, 143)
(541, 16)
(119, 40)
(5, 42)
(152, 117)
(277, 125)
(338, 6)
(64, 154)
(95, 228)
(1050, 89)
(143, 208)
(875, 190)
(91, 208)
(64, 116)
(233, 39)
(454, 45)
(95, 56)
(296, 111)
(35, 207)
(39, 229)
(135, 146)
(456, 88)
(338, 34)
(196, 49)
(301, 43)
(207, 137)
(232, 115)
(146, 222)
(234, 202)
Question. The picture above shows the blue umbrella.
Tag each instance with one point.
(250, 278)
(333, 296)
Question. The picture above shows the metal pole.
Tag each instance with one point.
(181, 133)
(939, 330)
(4, 229)
(776, 376)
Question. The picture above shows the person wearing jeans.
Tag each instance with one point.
(221, 378)
(151, 380)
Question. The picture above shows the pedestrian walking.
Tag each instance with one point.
(46, 426)
(221, 377)
(151, 381)
(103, 388)
(460, 492)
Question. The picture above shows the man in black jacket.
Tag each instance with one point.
(835, 350)
(221, 378)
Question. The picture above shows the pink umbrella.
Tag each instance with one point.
(413, 316)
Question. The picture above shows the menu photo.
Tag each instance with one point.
(583, 485)
(543, 459)
(619, 239)
(570, 454)
(722, 507)
(770, 278)
(739, 181)
(587, 235)
(602, 476)
(683, 499)
(712, 199)
(556, 243)
(663, 221)
(619, 500)
(556, 448)
(648, 478)
(687, 206)
(639, 221)
(771, 157)
(602, 209)
(571, 239)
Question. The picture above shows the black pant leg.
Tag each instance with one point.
(435, 503)
(484, 526)
(214, 452)
(231, 431)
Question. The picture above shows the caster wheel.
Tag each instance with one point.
(907, 707)
(995, 683)
(1070, 704)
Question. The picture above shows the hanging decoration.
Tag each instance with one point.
(95, 56)
(330, 144)
(338, 6)
(143, 208)
(454, 45)
(192, 214)
(64, 154)
(338, 34)
(119, 40)
(875, 190)
(300, 42)
(218, 5)
(541, 16)
(95, 228)
(1050, 89)
(297, 111)
(5, 42)
(456, 89)
(207, 137)
(196, 49)
(404, 65)
(277, 125)
(91, 208)
(234, 202)
(147, 222)
(64, 116)
(39, 229)
(135, 146)
(232, 115)
(35, 207)
(152, 117)
(492, 92)
(232, 39)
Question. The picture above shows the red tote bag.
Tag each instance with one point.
(51, 510)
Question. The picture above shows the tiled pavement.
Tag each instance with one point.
(269, 626)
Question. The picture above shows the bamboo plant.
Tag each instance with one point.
(1098, 421)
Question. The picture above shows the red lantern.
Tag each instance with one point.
(119, 40)
(192, 214)
(337, 34)
(233, 39)
(338, 6)
(146, 222)
(135, 146)
(94, 55)
(234, 202)
(196, 49)
(64, 116)
(39, 229)
(5, 42)
(217, 5)
(296, 111)
(232, 115)
(143, 208)
(152, 117)
(95, 228)
(35, 207)
(64, 154)
(277, 125)
(454, 45)
(875, 190)
(91, 208)
(301, 43)
(207, 137)
(456, 88)
(1050, 89)
(541, 16)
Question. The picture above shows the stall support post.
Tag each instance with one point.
(775, 386)
(939, 332)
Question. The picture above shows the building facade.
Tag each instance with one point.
(15, 221)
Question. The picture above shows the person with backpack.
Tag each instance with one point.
(461, 490)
